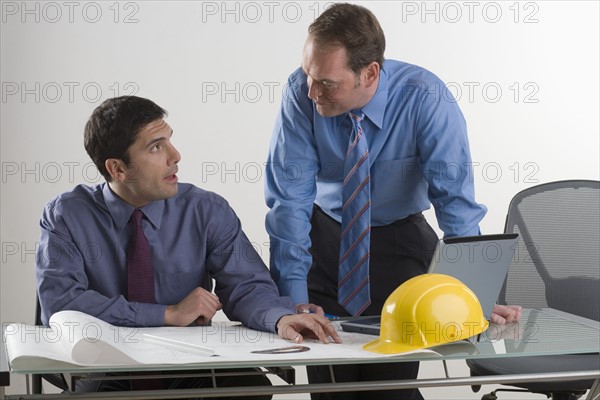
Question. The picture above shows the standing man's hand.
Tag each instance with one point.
(297, 326)
(199, 306)
(505, 314)
(309, 308)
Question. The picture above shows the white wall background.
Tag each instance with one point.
(526, 74)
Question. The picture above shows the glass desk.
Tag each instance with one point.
(540, 332)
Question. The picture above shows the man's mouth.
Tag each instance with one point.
(172, 176)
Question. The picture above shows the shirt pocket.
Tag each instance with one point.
(395, 179)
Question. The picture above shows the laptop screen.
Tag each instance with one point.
(480, 262)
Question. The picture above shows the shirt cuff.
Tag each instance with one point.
(149, 315)
(273, 317)
(296, 289)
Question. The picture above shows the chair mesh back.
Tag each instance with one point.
(557, 263)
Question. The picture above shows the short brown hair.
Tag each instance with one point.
(113, 127)
(353, 27)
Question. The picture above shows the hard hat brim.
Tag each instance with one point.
(382, 346)
(385, 347)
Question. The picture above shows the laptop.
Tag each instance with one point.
(480, 262)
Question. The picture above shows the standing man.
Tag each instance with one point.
(361, 147)
(142, 249)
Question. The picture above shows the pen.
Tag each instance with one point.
(328, 316)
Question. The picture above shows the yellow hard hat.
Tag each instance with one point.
(428, 310)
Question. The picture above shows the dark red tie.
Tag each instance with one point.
(140, 273)
(140, 283)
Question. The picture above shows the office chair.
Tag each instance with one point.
(557, 265)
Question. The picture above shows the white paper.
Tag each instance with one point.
(76, 338)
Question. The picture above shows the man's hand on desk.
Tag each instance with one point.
(505, 314)
(297, 326)
(199, 306)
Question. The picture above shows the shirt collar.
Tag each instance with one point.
(121, 211)
(375, 108)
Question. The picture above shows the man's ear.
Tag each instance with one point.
(116, 168)
(371, 73)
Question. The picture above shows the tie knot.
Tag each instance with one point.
(357, 117)
(137, 216)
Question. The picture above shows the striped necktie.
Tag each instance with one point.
(353, 273)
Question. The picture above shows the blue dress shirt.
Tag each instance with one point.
(418, 152)
(194, 236)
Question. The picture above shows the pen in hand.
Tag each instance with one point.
(307, 311)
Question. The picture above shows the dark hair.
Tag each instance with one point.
(113, 126)
(353, 27)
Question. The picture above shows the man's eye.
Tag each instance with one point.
(329, 86)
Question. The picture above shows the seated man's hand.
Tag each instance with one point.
(297, 326)
(505, 314)
(199, 306)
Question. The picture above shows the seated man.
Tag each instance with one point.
(141, 249)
